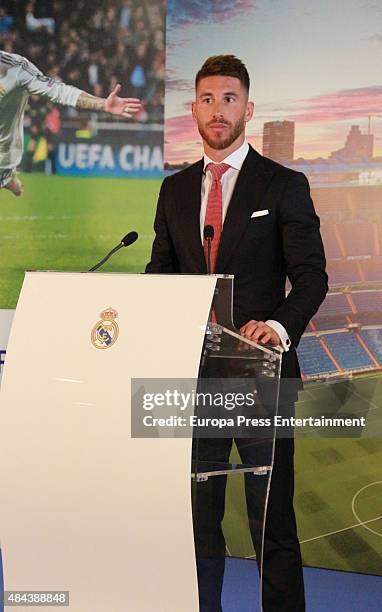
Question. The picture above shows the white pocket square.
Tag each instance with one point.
(260, 213)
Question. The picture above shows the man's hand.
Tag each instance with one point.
(124, 107)
(260, 332)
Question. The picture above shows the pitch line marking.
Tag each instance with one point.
(325, 535)
(360, 524)
(228, 551)
(373, 405)
(364, 523)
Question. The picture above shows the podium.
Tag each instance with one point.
(233, 366)
(89, 508)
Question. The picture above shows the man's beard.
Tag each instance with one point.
(219, 143)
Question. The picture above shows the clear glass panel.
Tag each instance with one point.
(233, 451)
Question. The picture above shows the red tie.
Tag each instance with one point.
(214, 213)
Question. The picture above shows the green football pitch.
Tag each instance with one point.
(62, 223)
(338, 494)
(65, 223)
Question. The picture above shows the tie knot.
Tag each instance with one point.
(217, 170)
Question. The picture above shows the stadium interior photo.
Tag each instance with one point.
(89, 176)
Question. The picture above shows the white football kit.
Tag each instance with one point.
(19, 78)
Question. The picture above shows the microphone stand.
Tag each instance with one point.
(130, 238)
(209, 240)
(100, 263)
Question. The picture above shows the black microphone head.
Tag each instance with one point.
(129, 239)
(208, 232)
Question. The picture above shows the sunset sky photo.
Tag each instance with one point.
(318, 64)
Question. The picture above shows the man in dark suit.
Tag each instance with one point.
(266, 229)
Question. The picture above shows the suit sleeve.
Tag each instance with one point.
(163, 257)
(304, 256)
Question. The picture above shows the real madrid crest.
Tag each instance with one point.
(105, 332)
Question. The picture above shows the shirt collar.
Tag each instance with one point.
(235, 159)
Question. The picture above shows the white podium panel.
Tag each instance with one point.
(84, 507)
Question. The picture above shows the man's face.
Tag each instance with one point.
(221, 110)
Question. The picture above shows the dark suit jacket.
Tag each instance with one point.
(260, 252)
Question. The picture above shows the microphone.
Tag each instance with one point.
(130, 238)
(208, 234)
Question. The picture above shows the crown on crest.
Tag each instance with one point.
(109, 314)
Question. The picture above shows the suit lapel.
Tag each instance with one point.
(190, 195)
(250, 188)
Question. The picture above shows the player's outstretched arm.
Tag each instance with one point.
(124, 107)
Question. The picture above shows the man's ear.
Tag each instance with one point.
(193, 111)
(249, 111)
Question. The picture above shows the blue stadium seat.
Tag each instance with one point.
(357, 236)
(367, 301)
(313, 358)
(343, 272)
(332, 248)
(348, 351)
(373, 340)
(372, 269)
(334, 304)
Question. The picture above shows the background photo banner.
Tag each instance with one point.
(315, 81)
(77, 201)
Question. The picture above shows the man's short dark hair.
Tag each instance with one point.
(224, 65)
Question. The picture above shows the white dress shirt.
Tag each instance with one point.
(235, 161)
